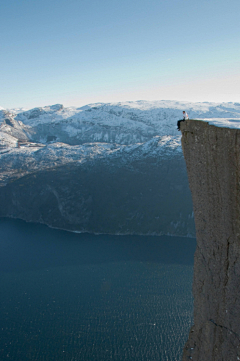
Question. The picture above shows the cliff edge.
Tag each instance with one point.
(212, 155)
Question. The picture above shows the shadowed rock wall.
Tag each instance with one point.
(146, 196)
(212, 156)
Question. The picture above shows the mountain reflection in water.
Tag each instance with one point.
(67, 296)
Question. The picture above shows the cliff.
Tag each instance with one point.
(104, 168)
(212, 155)
(113, 168)
(139, 189)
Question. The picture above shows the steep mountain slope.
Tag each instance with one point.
(80, 168)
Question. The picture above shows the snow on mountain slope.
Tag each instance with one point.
(224, 122)
(44, 137)
(121, 123)
(64, 166)
(27, 159)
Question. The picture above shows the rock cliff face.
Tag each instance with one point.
(212, 156)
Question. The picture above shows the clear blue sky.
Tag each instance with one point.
(81, 51)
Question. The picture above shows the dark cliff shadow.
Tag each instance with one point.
(29, 246)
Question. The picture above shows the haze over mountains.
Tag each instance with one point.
(103, 168)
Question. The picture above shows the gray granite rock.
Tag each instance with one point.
(212, 156)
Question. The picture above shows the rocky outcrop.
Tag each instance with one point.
(212, 156)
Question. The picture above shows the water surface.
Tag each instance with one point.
(82, 297)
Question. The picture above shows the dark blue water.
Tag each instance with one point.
(77, 297)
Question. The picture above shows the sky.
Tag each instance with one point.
(77, 52)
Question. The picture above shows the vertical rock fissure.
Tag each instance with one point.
(227, 263)
(231, 331)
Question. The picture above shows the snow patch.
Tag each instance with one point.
(223, 122)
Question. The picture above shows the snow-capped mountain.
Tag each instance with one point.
(113, 168)
(121, 123)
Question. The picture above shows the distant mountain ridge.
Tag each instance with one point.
(125, 157)
(121, 123)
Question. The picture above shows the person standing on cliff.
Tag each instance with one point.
(185, 116)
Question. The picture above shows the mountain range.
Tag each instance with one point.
(105, 168)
